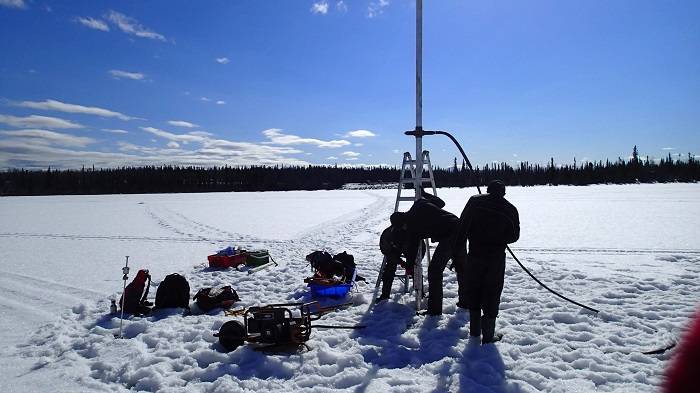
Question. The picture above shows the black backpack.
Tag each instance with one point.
(324, 264)
(173, 291)
(210, 298)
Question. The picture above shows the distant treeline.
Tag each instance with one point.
(171, 179)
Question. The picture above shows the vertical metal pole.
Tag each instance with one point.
(125, 271)
(418, 181)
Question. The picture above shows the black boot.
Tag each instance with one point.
(386, 291)
(475, 323)
(488, 330)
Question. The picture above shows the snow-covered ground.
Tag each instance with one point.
(629, 251)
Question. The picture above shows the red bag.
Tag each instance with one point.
(134, 296)
(225, 261)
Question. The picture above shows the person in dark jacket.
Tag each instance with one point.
(427, 219)
(394, 246)
(490, 223)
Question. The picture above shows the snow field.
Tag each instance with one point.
(639, 267)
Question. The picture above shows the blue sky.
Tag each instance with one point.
(114, 83)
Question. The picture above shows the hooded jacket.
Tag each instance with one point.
(490, 223)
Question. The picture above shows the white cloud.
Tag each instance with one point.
(131, 26)
(276, 137)
(332, 158)
(13, 3)
(201, 133)
(173, 145)
(53, 105)
(184, 138)
(376, 8)
(360, 134)
(50, 137)
(93, 23)
(320, 7)
(205, 99)
(118, 74)
(35, 121)
(668, 148)
(18, 153)
(358, 144)
(181, 123)
(220, 102)
(341, 6)
(222, 60)
(115, 131)
(350, 154)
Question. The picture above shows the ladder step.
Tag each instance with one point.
(409, 180)
(409, 199)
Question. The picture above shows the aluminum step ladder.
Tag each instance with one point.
(408, 176)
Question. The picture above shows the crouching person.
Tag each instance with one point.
(393, 244)
(490, 223)
(427, 219)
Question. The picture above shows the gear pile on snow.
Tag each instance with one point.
(333, 275)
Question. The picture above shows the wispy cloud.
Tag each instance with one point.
(58, 106)
(13, 4)
(276, 137)
(115, 131)
(204, 150)
(119, 74)
(332, 158)
(376, 8)
(360, 134)
(35, 121)
(93, 23)
(50, 137)
(182, 123)
(341, 6)
(222, 60)
(173, 145)
(668, 148)
(131, 26)
(205, 99)
(350, 154)
(183, 138)
(220, 102)
(320, 7)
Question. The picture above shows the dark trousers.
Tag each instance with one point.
(443, 253)
(392, 261)
(485, 283)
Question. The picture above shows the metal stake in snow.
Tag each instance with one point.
(125, 277)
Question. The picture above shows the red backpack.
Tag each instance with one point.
(134, 296)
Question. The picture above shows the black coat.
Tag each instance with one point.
(426, 219)
(490, 223)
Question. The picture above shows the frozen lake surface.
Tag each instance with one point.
(630, 251)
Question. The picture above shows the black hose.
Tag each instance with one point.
(338, 327)
(469, 165)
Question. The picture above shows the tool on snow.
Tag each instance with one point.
(274, 326)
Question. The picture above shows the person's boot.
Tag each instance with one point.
(488, 330)
(475, 323)
(386, 291)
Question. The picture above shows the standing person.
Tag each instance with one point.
(490, 223)
(427, 219)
